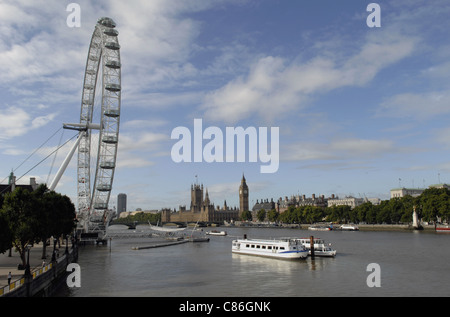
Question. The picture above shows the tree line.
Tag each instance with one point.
(28, 217)
(433, 205)
(139, 217)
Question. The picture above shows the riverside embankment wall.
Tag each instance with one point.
(43, 281)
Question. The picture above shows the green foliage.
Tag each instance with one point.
(30, 217)
(261, 215)
(432, 205)
(141, 217)
(273, 215)
(6, 235)
(246, 215)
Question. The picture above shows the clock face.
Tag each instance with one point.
(245, 191)
(240, 192)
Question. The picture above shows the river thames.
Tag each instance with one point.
(411, 263)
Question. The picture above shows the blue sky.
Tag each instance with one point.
(357, 108)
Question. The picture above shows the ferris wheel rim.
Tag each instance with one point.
(103, 58)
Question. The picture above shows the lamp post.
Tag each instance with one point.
(27, 266)
(54, 250)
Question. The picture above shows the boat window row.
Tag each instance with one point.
(263, 247)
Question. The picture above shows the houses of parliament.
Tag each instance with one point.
(203, 210)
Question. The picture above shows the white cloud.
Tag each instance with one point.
(416, 105)
(274, 87)
(339, 149)
(134, 148)
(16, 122)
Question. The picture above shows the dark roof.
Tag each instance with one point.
(6, 188)
(266, 205)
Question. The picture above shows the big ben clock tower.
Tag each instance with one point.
(243, 196)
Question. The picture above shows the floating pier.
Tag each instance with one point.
(159, 245)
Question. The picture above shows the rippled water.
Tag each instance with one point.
(411, 264)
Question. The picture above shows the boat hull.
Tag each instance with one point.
(323, 253)
(320, 249)
(288, 255)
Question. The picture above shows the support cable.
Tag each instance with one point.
(42, 160)
(37, 149)
(54, 159)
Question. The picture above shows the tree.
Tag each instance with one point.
(261, 215)
(434, 203)
(5, 233)
(18, 209)
(273, 215)
(246, 216)
(339, 213)
(291, 215)
(32, 217)
(312, 214)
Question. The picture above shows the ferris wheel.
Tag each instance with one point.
(96, 161)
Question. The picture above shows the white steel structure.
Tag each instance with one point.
(103, 71)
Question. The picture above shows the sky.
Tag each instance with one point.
(360, 109)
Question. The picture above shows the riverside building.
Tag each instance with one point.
(203, 210)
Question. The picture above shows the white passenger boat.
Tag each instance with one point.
(320, 248)
(284, 248)
(349, 227)
(443, 228)
(216, 233)
(321, 227)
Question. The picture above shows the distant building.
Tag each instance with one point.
(347, 201)
(299, 201)
(440, 186)
(414, 192)
(121, 203)
(243, 196)
(125, 214)
(402, 192)
(202, 210)
(5, 188)
(264, 204)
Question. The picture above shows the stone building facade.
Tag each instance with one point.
(203, 210)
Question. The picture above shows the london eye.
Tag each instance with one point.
(99, 117)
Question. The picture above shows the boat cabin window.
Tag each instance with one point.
(281, 248)
(269, 247)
